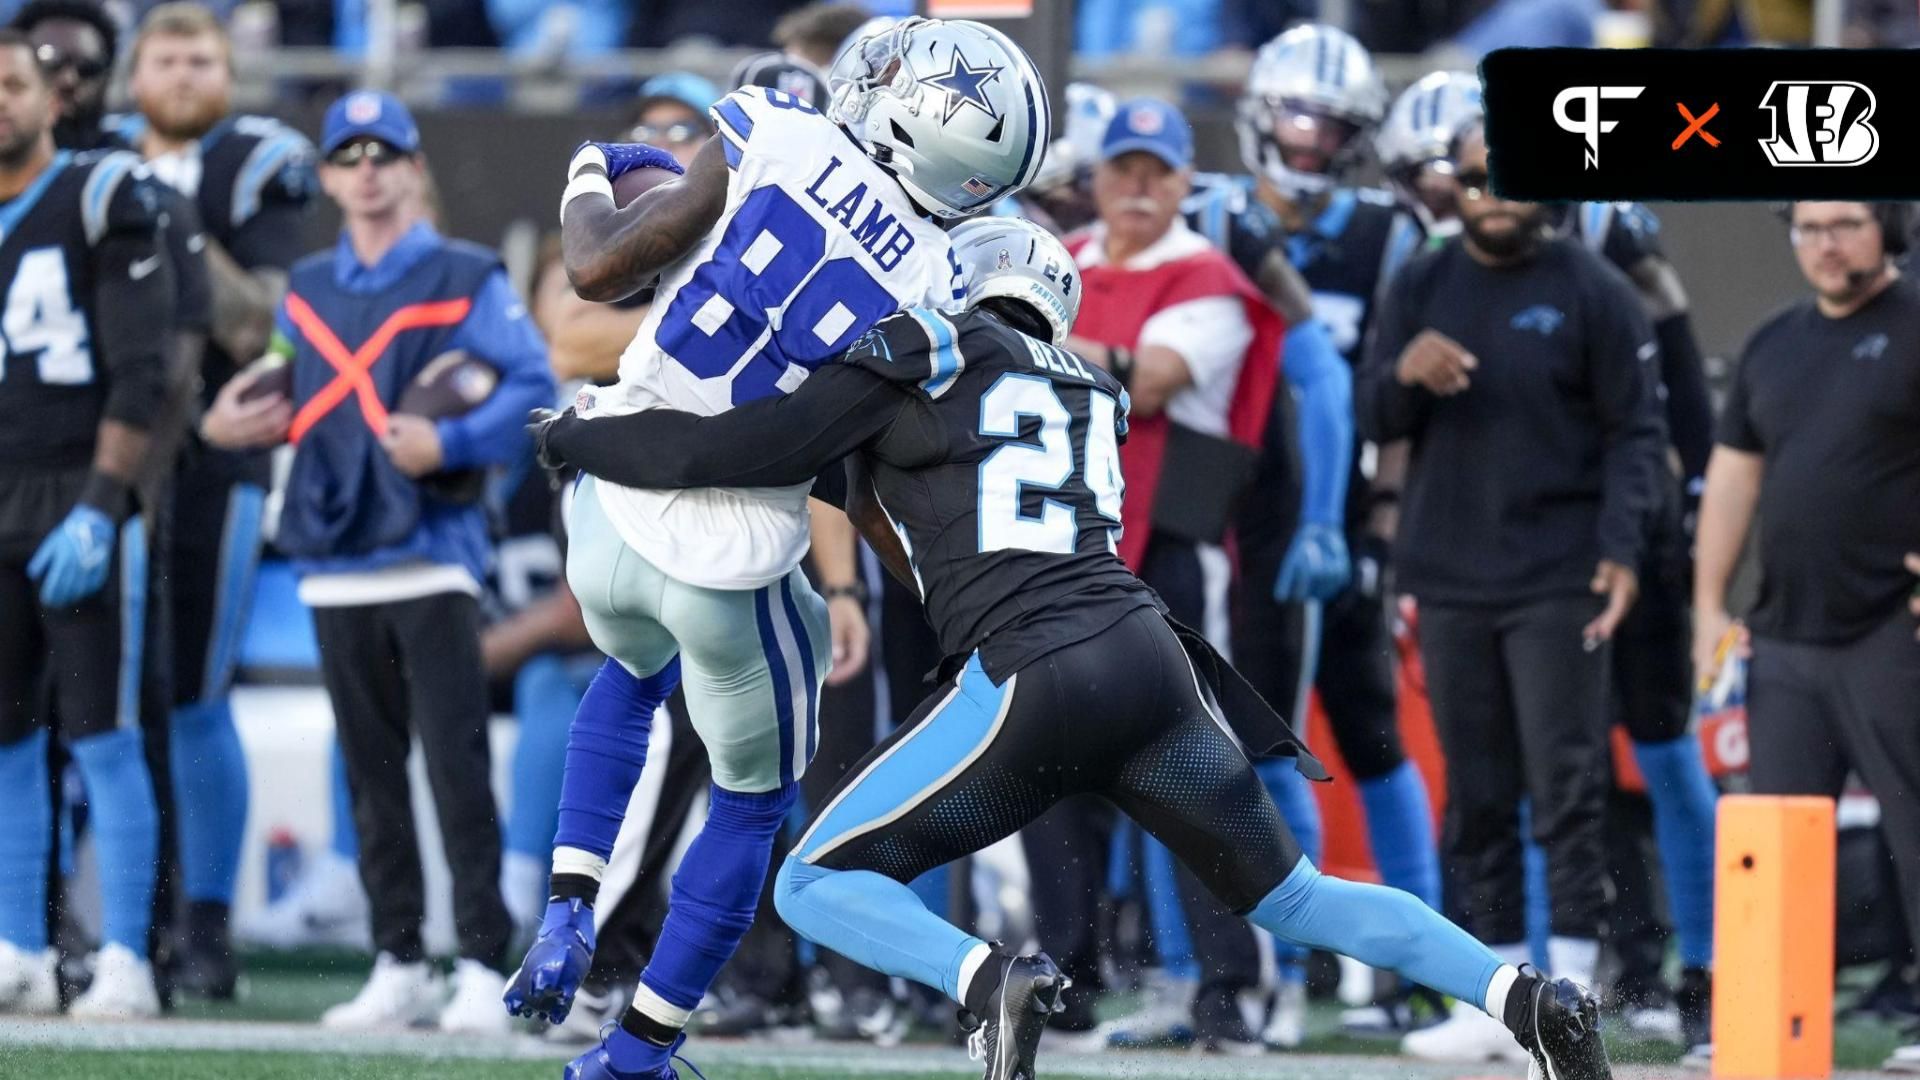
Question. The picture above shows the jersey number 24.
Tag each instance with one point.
(1016, 469)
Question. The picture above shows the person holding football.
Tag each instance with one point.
(403, 364)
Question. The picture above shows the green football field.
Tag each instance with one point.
(270, 1035)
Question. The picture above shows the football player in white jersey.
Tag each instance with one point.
(788, 237)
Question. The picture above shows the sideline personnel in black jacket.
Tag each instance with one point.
(1523, 370)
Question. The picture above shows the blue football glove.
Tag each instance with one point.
(71, 563)
(1316, 566)
(625, 157)
(561, 954)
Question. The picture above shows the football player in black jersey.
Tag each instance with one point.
(251, 179)
(985, 466)
(84, 280)
(1313, 604)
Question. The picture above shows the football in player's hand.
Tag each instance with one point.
(452, 384)
(634, 183)
(271, 374)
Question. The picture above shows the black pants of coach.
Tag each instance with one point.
(1522, 708)
(393, 671)
(1816, 712)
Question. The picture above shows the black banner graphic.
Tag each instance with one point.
(1599, 124)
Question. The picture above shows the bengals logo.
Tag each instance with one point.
(1820, 123)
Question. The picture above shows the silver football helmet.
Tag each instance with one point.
(1415, 142)
(953, 108)
(1311, 93)
(1013, 257)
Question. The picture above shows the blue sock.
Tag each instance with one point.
(1684, 800)
(1120, 856)
(606, 752)
(715, 892)
(545, 696)
(25, 842)
(1298, 808)
(126, 832)
(1380, 927)
(210, 793)
(346, 837)
(873, 921)
(1400, 832)
(1539, 900)
(1172, 937)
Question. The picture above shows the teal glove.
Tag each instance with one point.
(1316, 567)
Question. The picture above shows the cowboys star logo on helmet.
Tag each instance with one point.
(1820, 123)
(963, 84)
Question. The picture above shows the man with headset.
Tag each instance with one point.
(1820, 443)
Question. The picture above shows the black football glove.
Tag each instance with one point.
(541, 424)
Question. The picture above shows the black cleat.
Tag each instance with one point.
(1006, 1033)
(1695, 998)
(1560, 1028)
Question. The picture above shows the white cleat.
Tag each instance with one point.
(1287, 1026)
(122, 988)
(475, 1007)
(1467, 1037)
(396, 995)
(29, 982)
(326, 906)
(1165, 1017)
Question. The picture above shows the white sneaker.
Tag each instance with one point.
(1165, 1016)
(476, 1008)
(1467, 1037)
(1904, 1060)
(1287, 1026)
(326, 906)
(396, 995)
(122, 988)
(590, 1013)
(1651, 1023)
(29, 982)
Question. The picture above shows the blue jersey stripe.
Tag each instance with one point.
(946, 358)
(731, 149)
(734, 117)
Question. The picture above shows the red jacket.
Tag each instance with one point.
(1116, 303)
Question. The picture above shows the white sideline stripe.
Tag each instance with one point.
(239, 1037)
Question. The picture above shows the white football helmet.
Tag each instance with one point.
(1312, 92)
(1013, 257)
(1089, 110)
(1415, 142)
(954, 109)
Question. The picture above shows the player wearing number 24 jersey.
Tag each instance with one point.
(991, 456)
(789, 236)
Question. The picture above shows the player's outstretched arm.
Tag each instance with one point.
(610, 254)
(772, 442)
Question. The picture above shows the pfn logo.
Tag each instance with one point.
(1820, 123)
(1589, 125)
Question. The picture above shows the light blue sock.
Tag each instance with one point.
(1400, 832)
(1293, 796)
(545, 696)
(874, 921)
(25, 842)
(715, 892)
(1533, 860)
(346, 837)
(210, 796)
(1172, 937)
(126, 832)
(1684, 801)
(1380, 927)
